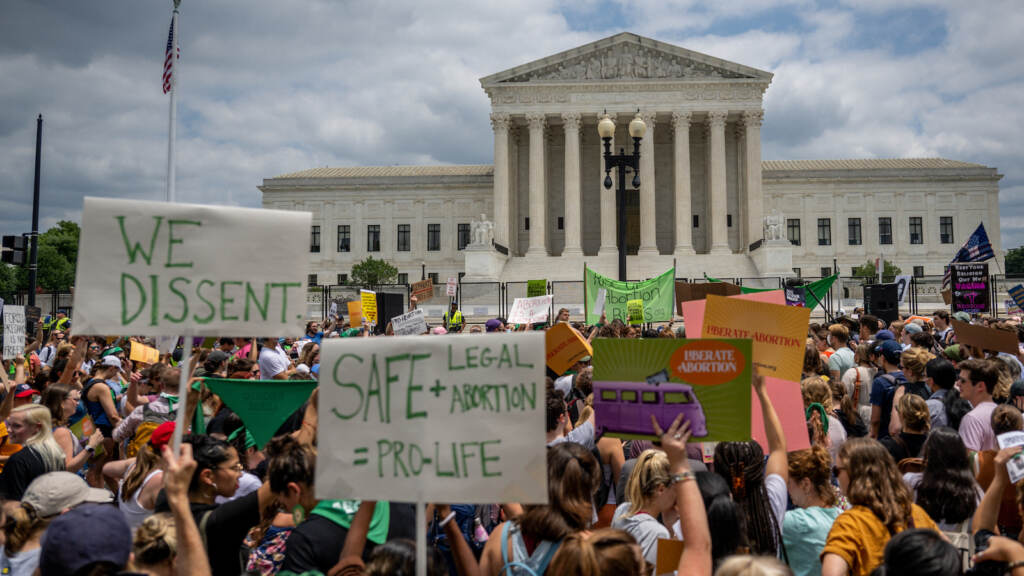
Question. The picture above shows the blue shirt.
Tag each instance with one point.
(804, 531)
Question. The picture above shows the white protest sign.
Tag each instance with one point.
(530, 310)
(1015, 465)
(14, 331)
(599, 303)
(164, 269)
(433, 419)
(333, 311)
(409, 324)
(452, 287)
(902, 283)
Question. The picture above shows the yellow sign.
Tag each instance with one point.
(565, 346)
(355, 314)
(635, 309)
(779, 333)
(369, 305)
(143, 353)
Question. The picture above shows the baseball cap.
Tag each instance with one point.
(882, 335)
(111, 351)
(111, 361)
(161, 436)
(493, 325)
(217, 356)
(912, 328)
(302, 369)
(438, 331)
(953, 352)
(24, 391)
(76, 540)
(53, 492)
(891, 349)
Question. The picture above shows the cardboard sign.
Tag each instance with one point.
(158, 269)
(656, 294)
(565, 346)
(452, 288)
(368, 305)
(693, 311)
(143, 353)
(706, 380)
(779, 332)
(83, 429)
(669, 553)
(14, 331)
(263, 405)
(530, 310)
(423, 290)
(969, 282)
(985, 338)
(425, 419)
(536, 288)
(795, 295)
(789, 406)
(355, 314)
(687, 292)
(635, 311)
(411, 323)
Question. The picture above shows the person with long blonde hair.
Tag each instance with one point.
(30, 426)
(649, 494)
(881, 508)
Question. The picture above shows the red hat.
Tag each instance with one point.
(161, 436)
(24, 391)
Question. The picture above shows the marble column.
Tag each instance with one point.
(648, 212)
(681, 159)
(717, 219)
(538, 190)
(502, 204)
(573, 199)
(755, 197)
(609, 244)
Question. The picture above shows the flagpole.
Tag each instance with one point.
(172, 121)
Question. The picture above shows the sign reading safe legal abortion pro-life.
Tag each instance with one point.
(708, 381)
(158, 269)
(421, 418)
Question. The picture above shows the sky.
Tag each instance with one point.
(270, 87)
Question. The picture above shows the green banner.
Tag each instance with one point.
(657, 293)
(536, 288)
(814, 291)
(263, 405)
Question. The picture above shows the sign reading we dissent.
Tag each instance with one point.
(157, 269)
(419, 418)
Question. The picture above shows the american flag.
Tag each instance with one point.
(169, 60)
(976, 249)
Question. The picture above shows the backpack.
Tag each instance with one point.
(545, 559)
(961, 539)
(151, 420)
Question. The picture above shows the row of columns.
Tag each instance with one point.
(680, 124)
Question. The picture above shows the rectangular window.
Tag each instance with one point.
(342, 278)
(853, 229)
(918, 271)
(433, 237)
(916, 230)
(344, 238)
(793, 230)
(403, 278)
(946, 229)
(825, 271)
(433, 277)
(463, 235)
(311, 280)
(608, 395)
(696, 220)
(561, 223)
(676, 398)
(728, 220)
(797, 272)
(629, 396)
(403, 238)
(649, 397)
(824, 231)
(885, 230)
(526, 223)
(314, 239)
(373, 237)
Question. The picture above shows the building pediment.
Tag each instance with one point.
(624, 57)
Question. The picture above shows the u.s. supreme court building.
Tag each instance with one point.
(707, 201)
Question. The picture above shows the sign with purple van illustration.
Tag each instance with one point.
(706, 380)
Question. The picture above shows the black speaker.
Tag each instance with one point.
(883, 301)
(388, 306)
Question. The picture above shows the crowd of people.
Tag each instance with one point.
(903, 474)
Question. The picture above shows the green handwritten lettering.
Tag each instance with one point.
(250, 296)
(199, 294)
(137, 249)
(124, 299)
(224, 300)
(172, 240)
(184, 301)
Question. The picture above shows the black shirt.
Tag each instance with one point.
(316, 543)
(21, 469)
(906, 446)
(224, 531)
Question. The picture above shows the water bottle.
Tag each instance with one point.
(479, 534)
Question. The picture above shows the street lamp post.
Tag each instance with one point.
(624, 162)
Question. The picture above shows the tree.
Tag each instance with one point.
(868, 270)
(1015, 261)
(372, 271)
(57, 254)
(8, 281)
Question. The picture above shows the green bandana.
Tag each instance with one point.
(341, 512)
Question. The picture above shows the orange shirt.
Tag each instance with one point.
(6, 448)
(859, 537)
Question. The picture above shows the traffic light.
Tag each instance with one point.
(14, 250)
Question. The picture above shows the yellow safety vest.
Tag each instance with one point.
(453, 323)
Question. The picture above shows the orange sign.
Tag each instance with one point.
(355, 313)
(779, 333)
(565, 346)
(707, 362)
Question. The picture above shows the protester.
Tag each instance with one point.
(843, 358)
(649, 496)
(31, 427)
(805, 528)
(921, 553)
(1005, 418)
(858, 379)
(143, 478)
(274, 361)
(885, 355)
(940, 376)
(845, 411)
(725, 519)
(946, 490)
(913, 422)
(823, 428)
(977, 380)
(62, 401)
(452, 319)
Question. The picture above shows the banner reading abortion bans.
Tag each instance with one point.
(158, 269)
(427, 419)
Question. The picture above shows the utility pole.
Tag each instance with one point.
(33, 263)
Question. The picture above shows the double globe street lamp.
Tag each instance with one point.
(624, 162)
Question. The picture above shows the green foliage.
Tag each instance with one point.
(57, 254)
(868, 270)
(8, 281)
(372, 271)
(1015, 260)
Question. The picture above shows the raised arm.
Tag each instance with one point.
(192, 559)
(351, 561)
(693, 519)
(987, 515)
(778, 462)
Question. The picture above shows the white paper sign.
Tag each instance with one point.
(1015, 465)
(14, 331)
(433, 419)
(902, 284)
(333, 312)
(156, 269)
(602, 293)
(452, 287)
(411, 323)
(530, 310)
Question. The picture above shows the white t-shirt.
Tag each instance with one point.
(273, 361)
(247, 484)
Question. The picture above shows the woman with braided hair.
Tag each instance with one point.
(881, 509)
(758, 487)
